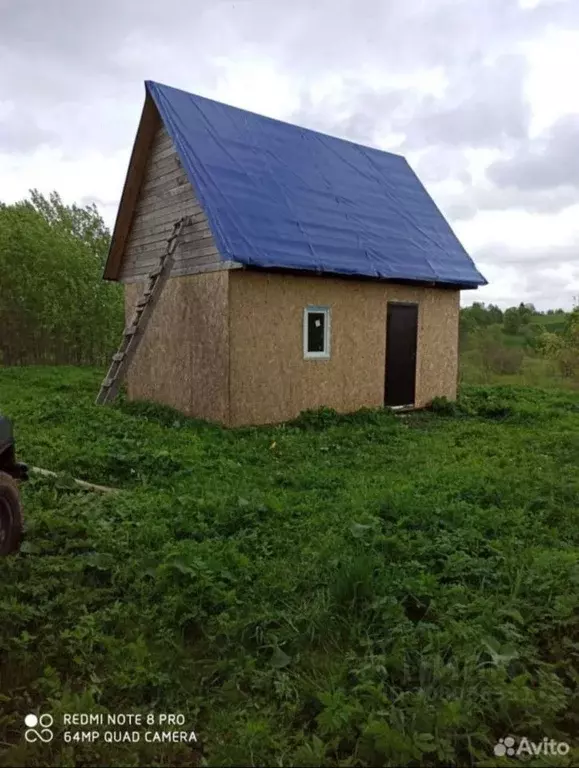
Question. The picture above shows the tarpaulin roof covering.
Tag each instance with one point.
(280, 196)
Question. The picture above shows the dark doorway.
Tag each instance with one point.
(401, 338)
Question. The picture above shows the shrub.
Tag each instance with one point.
(568, 362)
(502, 359)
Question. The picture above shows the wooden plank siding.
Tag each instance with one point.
(148, 128)
(165, 196)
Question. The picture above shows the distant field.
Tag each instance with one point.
(361, 590)
(552, 323)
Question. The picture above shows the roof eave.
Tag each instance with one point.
(442, 284)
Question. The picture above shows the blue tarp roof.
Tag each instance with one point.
(280, 196)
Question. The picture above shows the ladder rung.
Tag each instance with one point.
(131, 337)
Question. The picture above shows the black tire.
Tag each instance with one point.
(10, 515)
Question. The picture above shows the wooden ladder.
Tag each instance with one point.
(134, 332)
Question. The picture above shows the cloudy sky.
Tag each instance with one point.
(482, 96)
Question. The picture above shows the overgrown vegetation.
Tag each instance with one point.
(54, 305)
(519, 346)
(363, 590)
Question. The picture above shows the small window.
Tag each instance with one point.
(317, 332)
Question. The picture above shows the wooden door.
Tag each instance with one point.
(401, 344)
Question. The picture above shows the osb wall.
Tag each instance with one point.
(183, 358)
(437, 353)
(269, 379)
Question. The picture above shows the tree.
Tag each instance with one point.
(495, 314)
(526, 312)
(571, 332)
(85, 225)
(564, 347)
(512, 321)
(54, 305)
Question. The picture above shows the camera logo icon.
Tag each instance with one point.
(38, 728)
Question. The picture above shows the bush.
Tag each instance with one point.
(568, 362)
(502, 359)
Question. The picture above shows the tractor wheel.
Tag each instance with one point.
(10, 515)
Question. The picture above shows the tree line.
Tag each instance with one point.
(55, 308)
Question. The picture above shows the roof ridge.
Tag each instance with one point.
(274, 119)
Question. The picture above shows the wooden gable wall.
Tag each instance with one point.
(164, 197)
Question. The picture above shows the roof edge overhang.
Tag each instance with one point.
(148, 125)
(443, 285)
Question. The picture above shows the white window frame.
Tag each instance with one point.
(326, 311)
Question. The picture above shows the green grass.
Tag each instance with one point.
(551, 323)
(358, 590)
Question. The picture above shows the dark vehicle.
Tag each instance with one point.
(10, 509)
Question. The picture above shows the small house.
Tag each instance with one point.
(312, 272)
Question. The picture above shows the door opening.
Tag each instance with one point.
(401, 344)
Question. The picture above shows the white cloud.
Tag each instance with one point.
(552, 66)
(520, 229)
(93, 176)
(457, 86)
(258, 86)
